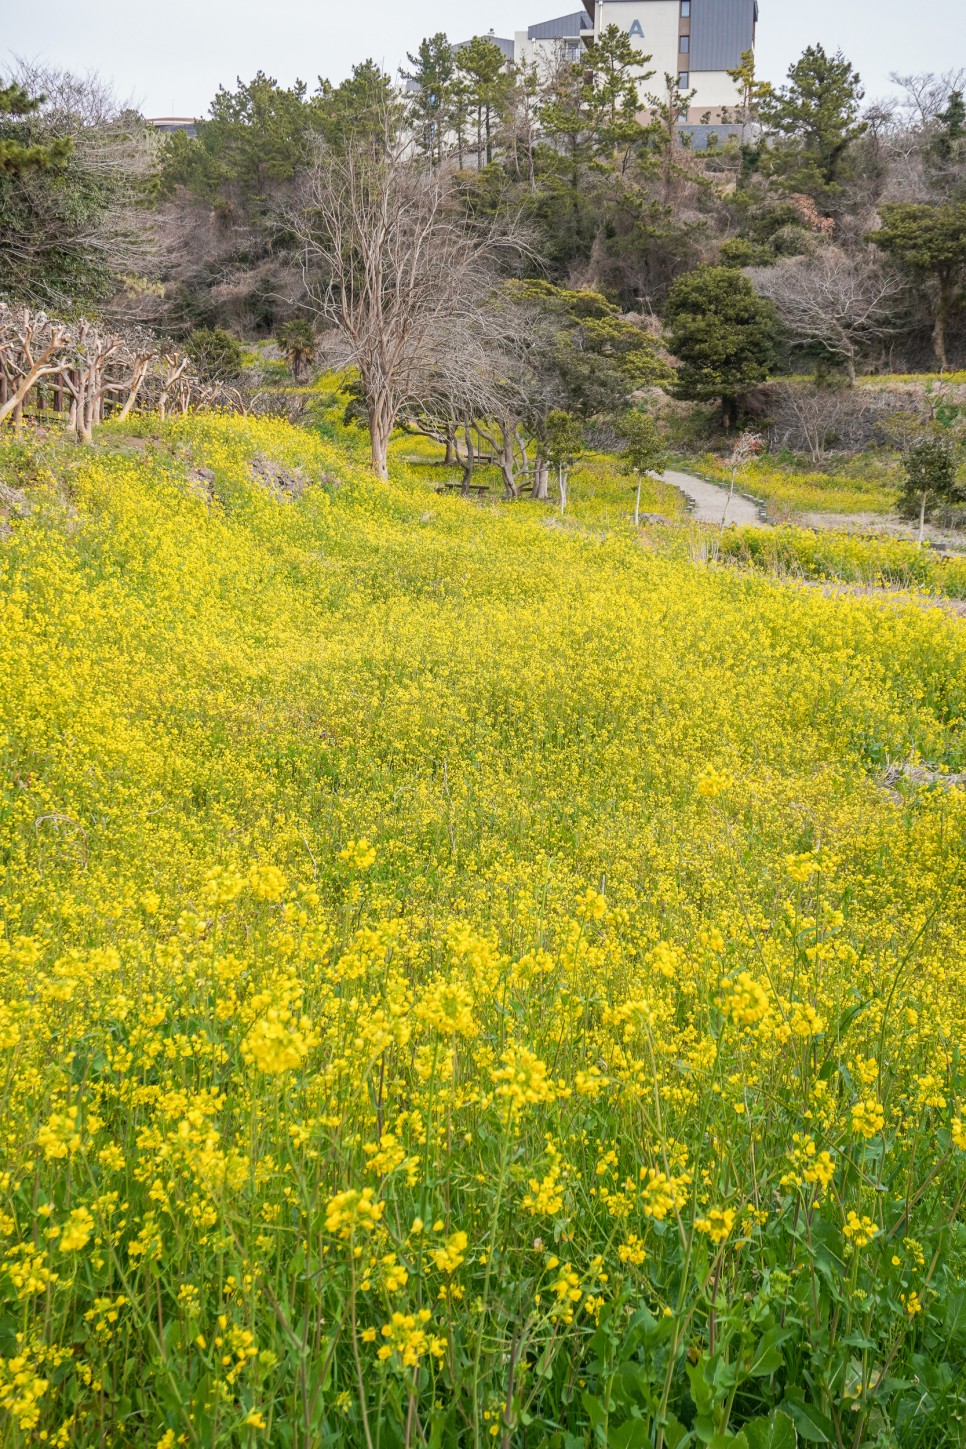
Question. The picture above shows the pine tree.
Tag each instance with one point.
(951, 137)
(723, 335)
(929, 242)
(481, 70)
(16, 154)
(814, 119)
(430, 104)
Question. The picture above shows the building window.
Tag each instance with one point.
(685, 44)
(684, 80)
(685, 9)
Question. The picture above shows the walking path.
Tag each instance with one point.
(710, 503)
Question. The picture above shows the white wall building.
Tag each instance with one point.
(546, 44)
(697, 41)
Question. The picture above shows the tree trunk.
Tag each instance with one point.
(563, 477)
(507, 468)
(13, 403)
(637, 503)
(380, 430)
(731, 494)
(729, 411)
(541, 481)
(470, 463)
(137, 382)
(922, 519)
(939, 336)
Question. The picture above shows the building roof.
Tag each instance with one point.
(505, 45)
(565, 27)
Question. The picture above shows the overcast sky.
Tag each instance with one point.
(170, 57)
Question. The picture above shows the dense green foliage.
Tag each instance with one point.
(815, 119)
(929, 478)
(216, 353)
(930, 241)
(723, 335)
(15, 155)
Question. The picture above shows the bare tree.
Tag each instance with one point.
(924, 96)
(833, 302)
(747, 446)
(818, 420)
(398, 271)
(32, 346)
(97, 370)
(81, 230)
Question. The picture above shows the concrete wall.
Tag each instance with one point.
(715, 89)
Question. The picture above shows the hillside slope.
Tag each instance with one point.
(413, 909)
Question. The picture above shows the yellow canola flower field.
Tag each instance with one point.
(463, 981)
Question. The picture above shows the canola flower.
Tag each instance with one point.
(461, 975)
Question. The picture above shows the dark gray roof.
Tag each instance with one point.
(721, 30)
(565, 27)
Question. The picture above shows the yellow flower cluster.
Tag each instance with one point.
(717, 1225)
(746, 1001)
(352, 1209)
(363, 899)
(449, 1257)
(448, 1006)
(406, 1337)
(522, 1080)
(711, 783)
(277, 1043)
(359, 854)
(868, 1118)
(859, 1231)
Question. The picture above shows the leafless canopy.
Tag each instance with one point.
(85, 370)
(395, 268)
(833, 301)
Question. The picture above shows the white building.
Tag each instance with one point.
(697, 41)
(546, 44)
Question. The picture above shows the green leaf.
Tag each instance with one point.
(596, 1412)
(701, 1391)
(674, 1432)
(767, 1358)
(810, 1422)
(775, 1432)
(954, 1314)
(632, 1435)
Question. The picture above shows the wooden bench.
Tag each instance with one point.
(465, 488)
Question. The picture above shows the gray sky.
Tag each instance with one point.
(171, 56)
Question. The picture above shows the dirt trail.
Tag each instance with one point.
(711, 504)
